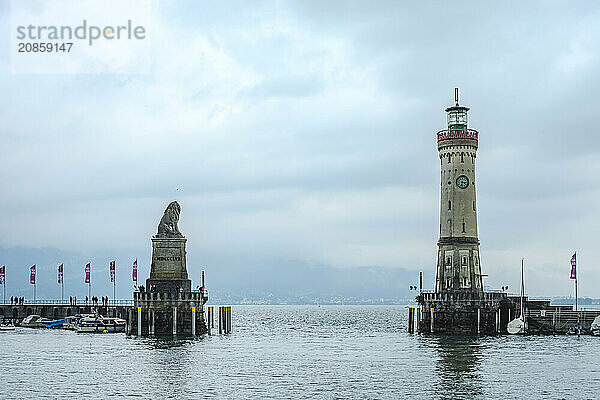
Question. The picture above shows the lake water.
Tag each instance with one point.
(307, 352)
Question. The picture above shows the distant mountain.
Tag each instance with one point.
(230, 279)
(582, 301)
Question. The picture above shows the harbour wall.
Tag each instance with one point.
(16, 313)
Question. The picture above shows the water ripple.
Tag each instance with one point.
(276, 352)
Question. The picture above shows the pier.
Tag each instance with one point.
(166, 313)
(545, 319)
(55, 309)
(491, 313)
(465, 312)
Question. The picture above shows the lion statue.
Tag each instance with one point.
(168, 223)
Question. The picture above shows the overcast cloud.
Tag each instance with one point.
(306, 131)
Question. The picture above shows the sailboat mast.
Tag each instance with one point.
(522, 291)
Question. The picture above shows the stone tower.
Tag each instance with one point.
(458, 264)
(459, 304)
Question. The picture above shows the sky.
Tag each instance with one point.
(305, 132)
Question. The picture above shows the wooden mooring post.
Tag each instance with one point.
(210, 322)
(193, 321)
(220, 318)
(431, 328)
(229, 320)
(498, 321)
(174, 320)
(224, 319)
(411, 320)
(139, 321)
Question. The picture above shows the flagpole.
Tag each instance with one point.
(576, 307)
(576, 294)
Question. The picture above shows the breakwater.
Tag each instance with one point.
(47, 309)
(491, 313)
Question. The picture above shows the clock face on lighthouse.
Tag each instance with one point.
(462, 181)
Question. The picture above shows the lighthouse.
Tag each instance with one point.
(459, 303)
(458, 265)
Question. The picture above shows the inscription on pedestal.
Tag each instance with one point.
(168, 259)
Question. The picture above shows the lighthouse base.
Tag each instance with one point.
(485, 313)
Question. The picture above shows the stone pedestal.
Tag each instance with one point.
(168, 272)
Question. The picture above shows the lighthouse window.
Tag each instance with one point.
(464, 260)
(463, 228)
(449, 157)
(462, 157)
(473, 206)
(449, 205)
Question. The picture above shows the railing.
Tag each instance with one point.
(457, 134)
(557, 320)
(194, 295)
(80, 303)
(463, 296)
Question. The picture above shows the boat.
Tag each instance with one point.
(54, 324)
(34, 321)
(72, 321)
(518, 325)
(7, 328)
(595, 328)
(100, 324)
(574, 330)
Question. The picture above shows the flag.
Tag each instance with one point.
(112, 271)
(87, 272)
(574, 266)
(32, 274)
(2, 275)
(134, 272)
(60, 274)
